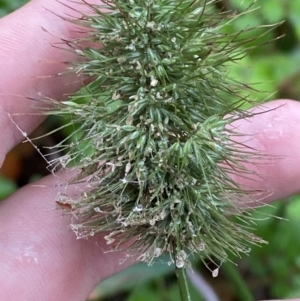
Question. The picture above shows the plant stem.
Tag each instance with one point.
(240, 285)
(182, 283)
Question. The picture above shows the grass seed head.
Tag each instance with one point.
(152, 137)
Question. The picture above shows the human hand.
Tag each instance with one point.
(41, 258)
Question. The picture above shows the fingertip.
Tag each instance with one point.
(32, 55)
(275, 134)
(37, 242)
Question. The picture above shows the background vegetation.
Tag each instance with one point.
(271, 271)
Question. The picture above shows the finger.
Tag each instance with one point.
(30, 60)
(276, 135)
(41, 253)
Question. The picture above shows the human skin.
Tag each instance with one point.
(41, 259)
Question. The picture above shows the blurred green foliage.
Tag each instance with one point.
(7, 187)
(271, 271)
(7, 6)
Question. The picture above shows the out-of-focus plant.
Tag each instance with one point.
(9, 6)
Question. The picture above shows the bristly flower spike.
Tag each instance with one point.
(152, 136)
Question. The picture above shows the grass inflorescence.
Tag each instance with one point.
(152, 135)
